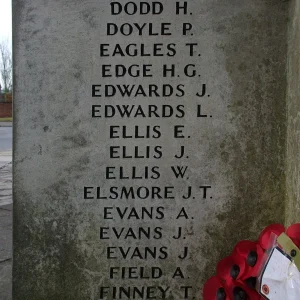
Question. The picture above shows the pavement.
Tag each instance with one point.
(6, 252)
(5, 124)
(5, 213)
(5, 139)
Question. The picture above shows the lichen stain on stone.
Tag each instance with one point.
(51, 226)
(52, 262)
(46, 128)
(88, 17)
(77, 72)
(75, 141)
(293, 128)
(57, 191)
(254, 157)
(40, 152)
(77, 168)
(30, 16)
(76, 123)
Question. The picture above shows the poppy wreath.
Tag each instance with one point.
(237, 274)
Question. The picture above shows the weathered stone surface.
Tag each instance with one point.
(59, 148)
(5, 177)
(6, 252)
(293, 108)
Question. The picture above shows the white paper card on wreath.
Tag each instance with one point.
(281, 278)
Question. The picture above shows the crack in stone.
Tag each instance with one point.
(4, 166)
(1, 208)
(5, 260)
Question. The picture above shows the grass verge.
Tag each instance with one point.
(5, 119)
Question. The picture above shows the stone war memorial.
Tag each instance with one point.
(149, 138)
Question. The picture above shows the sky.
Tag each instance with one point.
(5, 20)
